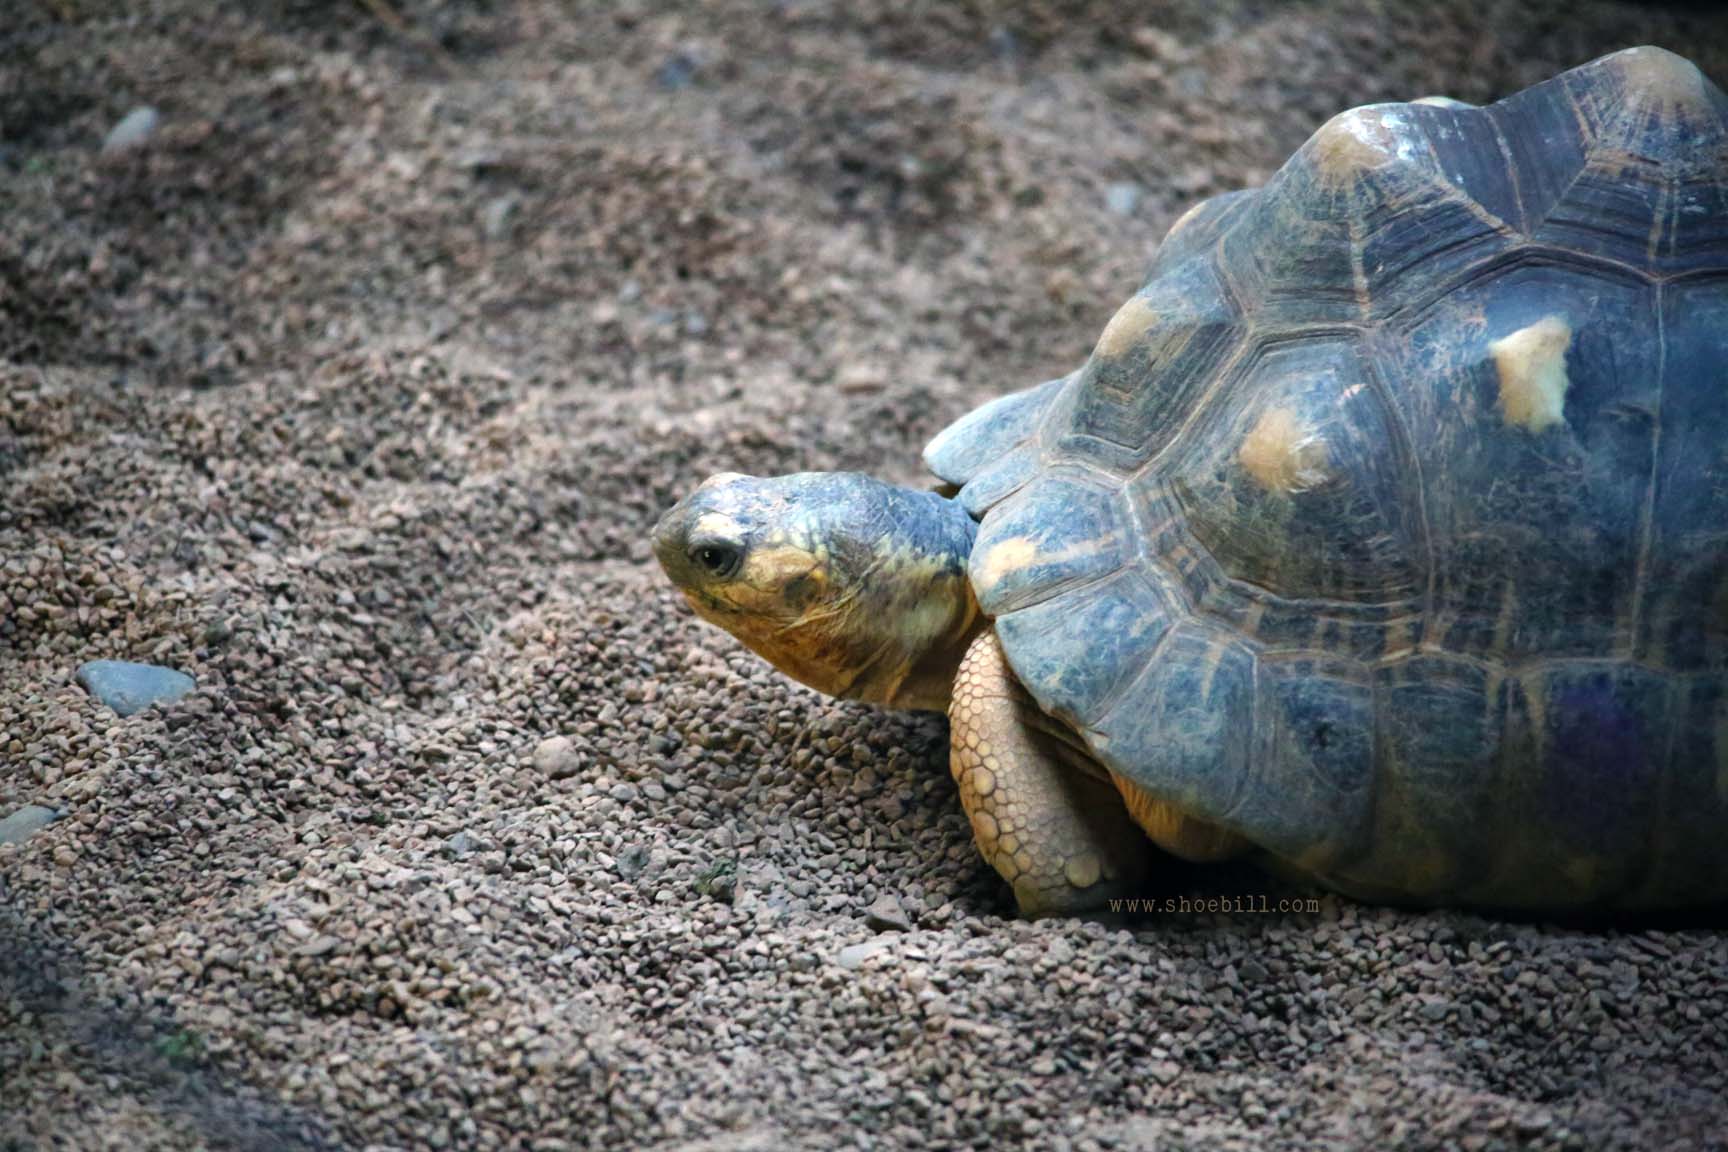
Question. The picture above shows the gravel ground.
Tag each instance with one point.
(351, 387)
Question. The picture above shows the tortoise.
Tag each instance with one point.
(1383, 536)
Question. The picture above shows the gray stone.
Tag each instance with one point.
(677, 71)
(852, 956)
(26, 822)
(130, 688)
(134, 129)
(557, 757)
(1123, 197)
(886, 915)
(318, 946)
(633, 861)
(497, 217)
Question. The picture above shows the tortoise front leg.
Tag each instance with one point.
(1045, 817)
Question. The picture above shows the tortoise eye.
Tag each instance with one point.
(717, 558)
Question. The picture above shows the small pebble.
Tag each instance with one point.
(885, 914)
(134, 130)
(497, 217)
(677, 71)
(318, 946)
(1123, 197)
(852, 956)
(557, 757)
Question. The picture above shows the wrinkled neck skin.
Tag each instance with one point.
(854, 587)
(928, 619)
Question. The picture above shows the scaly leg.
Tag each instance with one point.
(1043, 815)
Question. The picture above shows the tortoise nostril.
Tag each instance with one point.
(668, 536)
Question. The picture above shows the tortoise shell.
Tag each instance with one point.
(1387, 523)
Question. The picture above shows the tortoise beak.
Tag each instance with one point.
(671, 536)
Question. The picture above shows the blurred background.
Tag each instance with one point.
(348, 350)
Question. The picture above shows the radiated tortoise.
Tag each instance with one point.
(1384, 534)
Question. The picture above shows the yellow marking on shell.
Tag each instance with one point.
(1006, 556)
(1351, 143)
(1658, 77)
(1283, 454)
(1129, 324)
(1017, 552)
(1441, 102)
(1183, 221)
(1215, 650)
(1531, 363)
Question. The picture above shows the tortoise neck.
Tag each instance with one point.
(915, 608)
(928, 682)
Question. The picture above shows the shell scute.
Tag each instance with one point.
(1360, 220)
(1150, 365)
(1537, 423)
(1683, 596)
(1437, 783)
(1312, 793)
(1082, 647)
(976, 440)
(1295, 479)
(1061, 531)
(1582, 762)
(1183, 729)
(1634, 172)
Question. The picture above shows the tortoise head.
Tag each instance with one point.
(852, 586)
